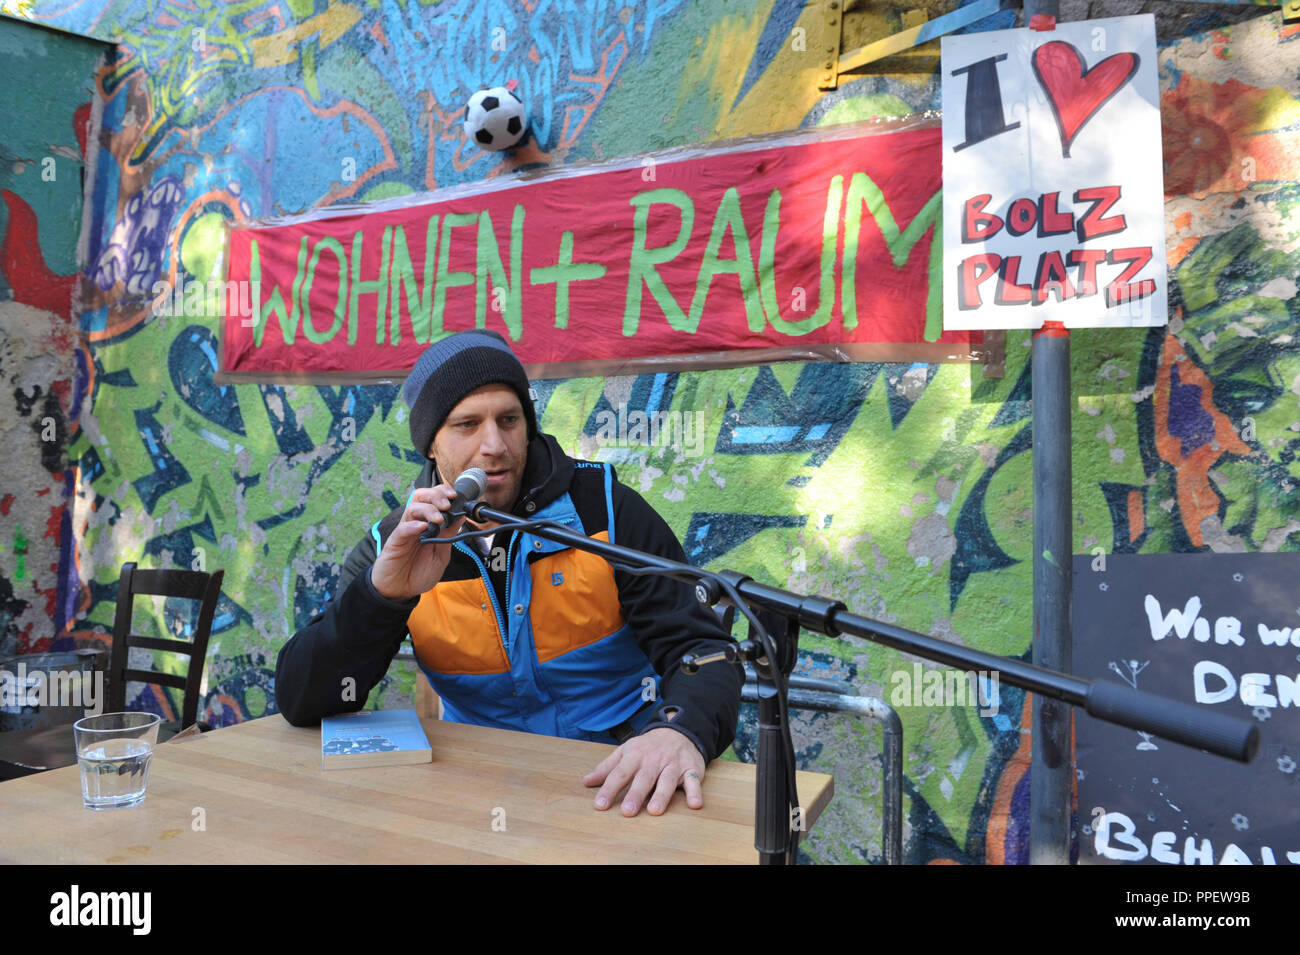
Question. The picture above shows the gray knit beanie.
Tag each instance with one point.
(453, 367)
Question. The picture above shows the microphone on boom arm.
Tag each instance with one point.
(469, 487)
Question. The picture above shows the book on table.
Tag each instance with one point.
(373, 738)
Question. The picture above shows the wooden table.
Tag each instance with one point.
(255, 793)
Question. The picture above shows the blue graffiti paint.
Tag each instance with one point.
(122, 378)
(765, 434)
(356, 402)
(1117, 497)
(290, 437)
(236, 687)
(900, 402)
(976, 549)
(1187, 419)
(650, 393)
(310, 600)
(459, 46)
(135, 255)
(168, 473)
(1017, 406)
(191, 363)
(776, 33)
(409, 455)
(181, 541)
(229, 614)
(814, 417)
(728, 531)
(1002, 20)
(92, 468)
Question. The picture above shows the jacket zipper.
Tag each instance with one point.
(509, 561)
(487, 581)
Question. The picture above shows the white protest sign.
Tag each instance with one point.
(1053, 190)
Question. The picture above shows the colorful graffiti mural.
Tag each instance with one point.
(47, 77)
(903, 489)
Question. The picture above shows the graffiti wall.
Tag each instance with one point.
(48, 79)
(902, 489)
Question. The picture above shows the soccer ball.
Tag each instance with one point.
(494, 119)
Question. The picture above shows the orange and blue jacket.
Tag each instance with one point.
(534, 635)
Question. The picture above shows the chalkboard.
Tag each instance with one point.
(1220, 630)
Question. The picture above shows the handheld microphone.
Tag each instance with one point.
(471, 485)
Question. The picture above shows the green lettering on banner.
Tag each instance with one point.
(644, 263)
(490, 267)
(447, 278)
(862, 191)
(767, 266)
(274, 303)
(419, 303)
(333, 245)
(564, 271)
(726, 218)
(377, 286)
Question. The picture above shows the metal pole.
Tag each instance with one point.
(1051, 774)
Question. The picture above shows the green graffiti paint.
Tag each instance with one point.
(201, 248)
(20, 551)
(206, 501)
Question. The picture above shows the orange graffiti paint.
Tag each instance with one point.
(1197, 498)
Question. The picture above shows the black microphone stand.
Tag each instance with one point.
(773, 648)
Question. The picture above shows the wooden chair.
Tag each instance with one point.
(23, 752)
(186, 584)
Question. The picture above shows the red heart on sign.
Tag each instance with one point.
(1077, 94)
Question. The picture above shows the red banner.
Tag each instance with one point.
(823, 244)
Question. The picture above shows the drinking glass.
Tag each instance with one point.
(114, 751)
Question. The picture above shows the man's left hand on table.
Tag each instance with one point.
(653, 765)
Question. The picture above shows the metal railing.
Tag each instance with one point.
(836, 696)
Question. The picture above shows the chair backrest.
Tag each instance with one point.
(185, 584)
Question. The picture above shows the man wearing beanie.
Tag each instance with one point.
(514, 631)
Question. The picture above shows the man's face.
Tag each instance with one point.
(487, 430)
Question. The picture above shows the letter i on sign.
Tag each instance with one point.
(984, 115)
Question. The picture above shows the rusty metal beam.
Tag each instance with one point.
(922, 33)
(829, 27)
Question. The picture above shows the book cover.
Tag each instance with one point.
(373, 738)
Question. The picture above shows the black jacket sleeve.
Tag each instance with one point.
(669, 623)
(355, 637)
